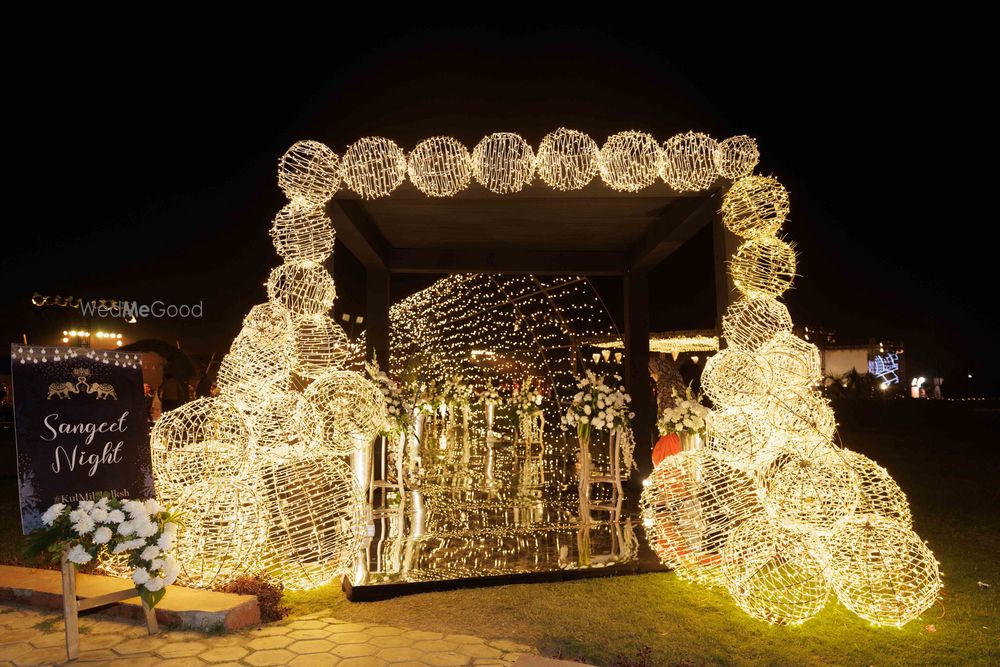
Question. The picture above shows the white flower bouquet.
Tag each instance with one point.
(490, 396)
(526, 399)
(398, 407)
(142, 530)
(687, 416)
(599, 405)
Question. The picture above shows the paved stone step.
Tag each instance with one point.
(184, 607)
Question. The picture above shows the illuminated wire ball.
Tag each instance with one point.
(880, 495)
(690, 161)
(302, 233)
(320, 344)
(793, 362)
(252, 368)
(882, 571)
(503, 162)
(763, 266)
(741, 437)
(268, 323)
(316, 517)
(755, 206)
(567, 159)
(224, 530)
(440, 166)
(285, 419)
(309, 170)
(693, 503)
(808, 494)
(373, 167)
(630, 161)
(302, 288)
(733, 378)
(772, 573)
(351, 409)
(802, 411)
(201, 439)
(751, 322)
(738, 156)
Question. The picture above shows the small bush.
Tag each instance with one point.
(267, 591)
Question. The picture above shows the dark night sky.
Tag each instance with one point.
(147, 166)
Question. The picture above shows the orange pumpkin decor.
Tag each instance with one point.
(666, 446)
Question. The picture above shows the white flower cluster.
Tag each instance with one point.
(526, 399)
(489, 395)
(687, 415)
(399, 409)
(598, 405)
(140, 529)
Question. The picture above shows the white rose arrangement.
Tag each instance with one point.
(490, 396)
(398, 407)
(601, 404)
(143, 530)
(687, 416)
(526, 399)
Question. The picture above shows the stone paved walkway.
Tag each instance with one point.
(35, 637)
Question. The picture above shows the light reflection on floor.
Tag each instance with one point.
(485, 509)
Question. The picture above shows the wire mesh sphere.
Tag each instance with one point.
(690, 161)
(503, 162)
(440, 166)
(755, 206)
(285, 421)
(763, 266)
(802, 411)
(302, 288)
(740, 437)
(373, 167)
(773, 574)
(316, 517)
(224, 530)
(753, 321)
(320, 344)
(309, 170)
(268, 323)
(733, 378)
(351, 409)
(567, 159)
(808, 494)
(199, 440)
(882, 570)
(880, 495)
(738, 156)
(302, 233)
(253, 367)
(693, 503)
(630, 161)
(794, 362)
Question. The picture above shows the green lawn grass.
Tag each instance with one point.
(943, 455)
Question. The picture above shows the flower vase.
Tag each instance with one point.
(583, 531)
(690, 441)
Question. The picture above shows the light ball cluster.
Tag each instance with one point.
(351, 409)
(763, 266)
(302, 233)
(630, 161)
(309, 171)
(755, 206)
(752, 322)
(320, 344)
(440, 166)
(690, 162)
(503, 162)
(734, 378)
(301, 288)
(738, 156)
(567, 159)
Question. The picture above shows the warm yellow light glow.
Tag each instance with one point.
(630, 161)
(302, 288)
(733, 378)
(751, 322)
(763, 266)
(755, 206)
(302, 232)
(881, 570)
(319, 345)
(440, 166)
(503, 162)
(351, 409)
(373, 167)
(809, 494)
(690, 162)
(309, 170)
(738, 156)
(567, 159)
(793, 362)
(879, 492)
(674, 344)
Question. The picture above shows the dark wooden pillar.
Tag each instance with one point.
(377, 316)
(637, 366)
(725, 244)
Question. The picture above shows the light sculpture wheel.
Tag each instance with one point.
(881, 570)
(373, 167)
(738, 156)
(309, 171)
(690, 161)
(630, 161)
(567, 159)
(302, 233)
(773, 574)
(742, 437)
(692, 504)
(440, 166)
(253, 367)
(755, 206)
(503, 162)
